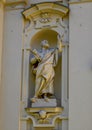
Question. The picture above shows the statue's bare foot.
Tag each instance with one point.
(46, 98)
(34, 99)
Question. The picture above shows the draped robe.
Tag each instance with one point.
(45, 73)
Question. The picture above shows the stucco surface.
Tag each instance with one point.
(11, 74)
(80, 70)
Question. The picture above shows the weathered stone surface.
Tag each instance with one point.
(43, 103)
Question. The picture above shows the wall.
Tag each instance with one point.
(80, 67)
(80, 70)
(1, 33)
(1, 42)
(11, 74)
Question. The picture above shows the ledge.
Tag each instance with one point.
(80, 2)
(54, 110)
(15, 2)
(40, 1)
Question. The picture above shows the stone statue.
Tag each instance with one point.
(43, 64)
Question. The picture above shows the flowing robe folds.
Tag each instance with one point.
(45, 73)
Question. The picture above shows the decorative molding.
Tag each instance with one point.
(41, 8)
(45, 18)
(7, 3)
(56, 109)
(41, 15)
(80, 2)
(44, 117)
(39, 1)
(52, 123)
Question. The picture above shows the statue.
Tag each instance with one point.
(43, 64)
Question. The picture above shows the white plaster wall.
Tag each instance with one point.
(11, 76)
(80, 70)
(1, 42)
(1, 34)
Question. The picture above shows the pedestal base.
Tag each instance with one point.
(43, 103)
(44, 117)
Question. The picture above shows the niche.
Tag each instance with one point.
(51, 37)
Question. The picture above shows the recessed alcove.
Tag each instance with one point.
(51, 36)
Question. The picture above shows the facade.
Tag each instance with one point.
(67, 26)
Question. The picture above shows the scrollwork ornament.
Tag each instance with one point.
(45, 18)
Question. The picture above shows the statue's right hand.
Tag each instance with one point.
(33, 60)
(34, 51)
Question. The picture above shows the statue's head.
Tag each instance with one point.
(45, 44)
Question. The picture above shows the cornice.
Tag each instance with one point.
(13, 2)
(80, 2)
(45, 7)
(41, 1)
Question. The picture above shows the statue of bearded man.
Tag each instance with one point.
(43, 64)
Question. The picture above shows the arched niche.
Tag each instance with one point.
(44, 34)
(45, 21)
(35, 31)
(51, 36)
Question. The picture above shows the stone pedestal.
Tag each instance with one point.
(44, 117)
(43, 103)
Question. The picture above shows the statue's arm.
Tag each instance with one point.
(36, 55)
